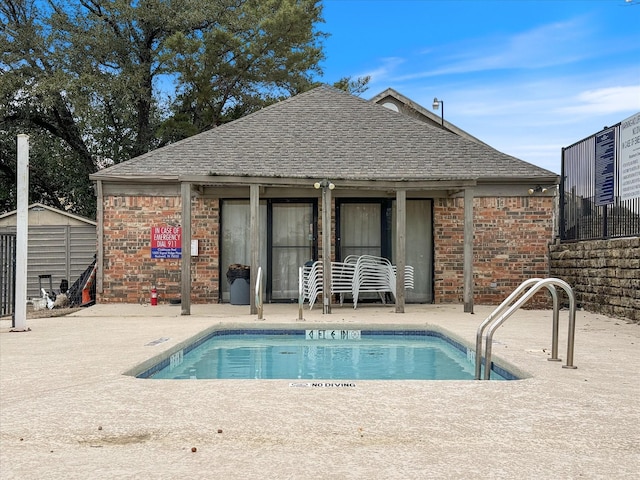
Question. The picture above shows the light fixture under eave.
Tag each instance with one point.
(324, 184)
(538, 189)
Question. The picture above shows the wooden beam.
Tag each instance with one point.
(467, 294)
(401, 235)
(326, 250)
(185, 262)
(100, 234)
(413, 184)
(254, 202)
(141, 189)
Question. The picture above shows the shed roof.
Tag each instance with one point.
(40, 214)
(328, 133)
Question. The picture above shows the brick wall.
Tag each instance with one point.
(129, 270)
(511, 241)
(605, 274)
(205, 268)
(510, 245)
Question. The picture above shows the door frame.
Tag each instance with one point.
(386, 231)
(314, 247)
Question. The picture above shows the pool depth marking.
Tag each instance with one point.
(176, 359)
(333, 334)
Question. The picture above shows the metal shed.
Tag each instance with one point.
(61, 244)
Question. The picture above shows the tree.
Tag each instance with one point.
(34, 100)
(97, 82)
(269, 51)
(53, 173)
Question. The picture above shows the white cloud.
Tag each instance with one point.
(528, 94)
(383, 71)
(546, 46)
(604, 100)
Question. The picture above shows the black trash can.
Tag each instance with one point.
(239, 278)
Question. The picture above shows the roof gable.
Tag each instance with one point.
(53, 216)
(415, 110)
(328, 133)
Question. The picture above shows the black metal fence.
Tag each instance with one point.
(7, 274)
(590, 204)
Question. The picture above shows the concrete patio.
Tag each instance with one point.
(68, 412)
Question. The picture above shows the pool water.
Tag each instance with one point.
(320, 354)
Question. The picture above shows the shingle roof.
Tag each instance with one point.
(328, 133)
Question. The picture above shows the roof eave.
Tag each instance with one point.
(221, 180)
(538, 179)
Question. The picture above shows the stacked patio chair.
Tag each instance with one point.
(408, 276)
(373, 274)
(341, 280)
(342, 275)
(357, 274)
(312, 282)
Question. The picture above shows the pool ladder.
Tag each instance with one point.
(525, 291)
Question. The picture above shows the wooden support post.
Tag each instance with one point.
(326, 249)
(254, 202)
(467, 294)
(401, 235)
(185, 262)
(100, 232)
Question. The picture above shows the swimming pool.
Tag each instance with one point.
(320, 353)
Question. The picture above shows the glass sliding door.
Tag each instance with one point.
(292, 243)
(235, 234)
(360, 229)
(419, 248)
(362, 232)
(369, 228)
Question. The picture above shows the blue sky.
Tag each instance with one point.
(528, 77)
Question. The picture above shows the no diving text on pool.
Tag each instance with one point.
(332, 334)
(322, 384)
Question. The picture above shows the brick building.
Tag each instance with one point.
(398, 182)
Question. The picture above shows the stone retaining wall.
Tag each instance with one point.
(605, 274)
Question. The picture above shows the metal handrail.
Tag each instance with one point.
(507, 301)
(259, 303)
(300, 292)
(521, 301)
(504, 305)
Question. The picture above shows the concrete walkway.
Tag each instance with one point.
(67, 412)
